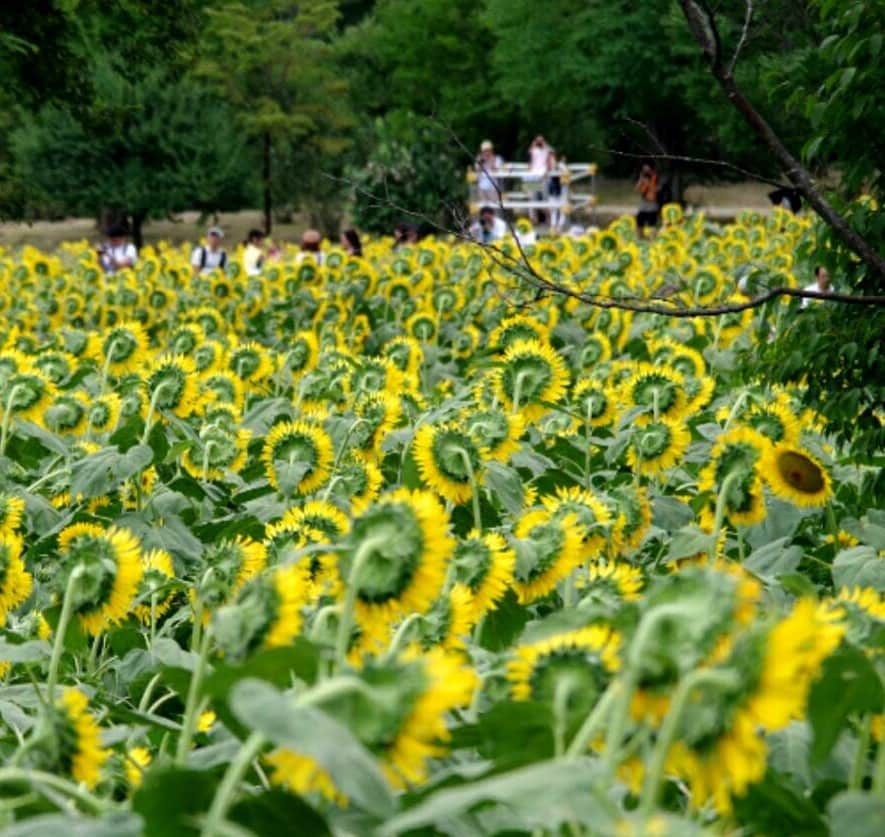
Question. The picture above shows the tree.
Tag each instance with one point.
(151, 147)
(272, 62)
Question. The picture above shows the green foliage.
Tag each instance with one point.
(148, 147)
(411, 174)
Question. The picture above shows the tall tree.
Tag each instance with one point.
(153, 146)
(272, 61)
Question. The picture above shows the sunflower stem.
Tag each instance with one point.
(879, 774)
(152, 407)
(721, 501)
(594, 720)
(833, 525)
(7, 417)
(224, 795)
(57, 783)
(563, 691)
(207, 452)
(474, 489)
(345, 625)
(400, 635)
(67, 610)
(692, 681)
(105, 368)
(736, 408)
(858, 769)
(191, 710)
(517, 391)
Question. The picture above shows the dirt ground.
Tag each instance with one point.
(615, 198)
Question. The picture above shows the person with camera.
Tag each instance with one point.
(647, 186)
(206, 257)
(117, 252)
(489, 227)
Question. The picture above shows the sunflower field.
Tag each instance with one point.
(398, 545)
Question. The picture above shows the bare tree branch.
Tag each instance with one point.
(748, 18)
(702, 23)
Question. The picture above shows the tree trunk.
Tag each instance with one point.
(268, 198)
(137, 223)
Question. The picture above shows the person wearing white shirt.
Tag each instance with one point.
(820, 285)
(207, 257)
(487, 162)
(117, 253)
(539, 167)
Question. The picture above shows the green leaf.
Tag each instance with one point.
(773, 560)
(855, 814)
(505, 484)
(116, 824)
(540, 796)
(503, 625)
(848, 684)
(688, 541)
(277, 812)
(32, 651)
(308, 730)
(670, 514)
(775, 806)
(859, 566)
(170, 799)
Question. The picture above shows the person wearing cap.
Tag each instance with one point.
(211, 255)
(310, 246)
(486, 163)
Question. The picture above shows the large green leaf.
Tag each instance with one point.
(859, 566)
(543, 796)
(848, 684)
(855, 814)
(170, 799)
(309, 731)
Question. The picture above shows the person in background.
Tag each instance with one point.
(486, 162)
(556, 167)
(117, 252)
(253, 255)
(540, 153)
(310, 246)
(489, 227)
(206, 257)
(820, 285)
(350, 241)
(647, 186)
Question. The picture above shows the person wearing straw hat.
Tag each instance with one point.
(211, 255)
(486, 163)
(310, 246)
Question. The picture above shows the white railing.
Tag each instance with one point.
(524, 199)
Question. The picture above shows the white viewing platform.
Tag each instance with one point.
(523, 192)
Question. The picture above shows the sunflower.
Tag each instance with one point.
(531, 376)
(302, 775)
(449, 461)
(632, 511)
(158, 570)
(495, 432)
(222, 386)
(266, 613)
(66, 414)
(79, 738)
(11, 511)
(378, 414)
(297, 457)
(185, 339)
(484, 564)
(451, 619)
(658, 446)
(229, 565)
(136, 761)
(109, 563)
(596, 349)
(596, 402)
(15, 580)
(793, 474)
(621, 579)
(378, 375)
(103, 413)
(515, 329)
(580, 663)
(26, 395)
(250, 362)
(58, 366)
(123, 348)
(358, 481)
(406, 353)
(401, 548)
(591, 516)
(171, 383)
(221, 451)
(426, 686)
(658, 391)
(775, 421)
(547, 549)
(302, 352)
